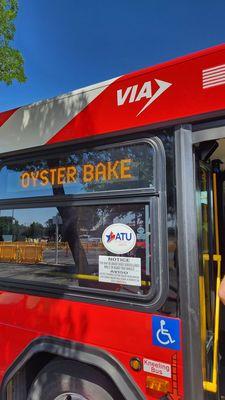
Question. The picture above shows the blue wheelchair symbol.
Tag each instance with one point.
(166, 332)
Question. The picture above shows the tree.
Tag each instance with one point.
(11, 60)
(35, 230)
(50, 229)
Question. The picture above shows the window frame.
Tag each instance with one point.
(156, 198)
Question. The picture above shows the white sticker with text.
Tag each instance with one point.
(157, 367)
(121, 270)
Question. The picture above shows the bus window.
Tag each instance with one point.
(65, 246)
(119, 167)
(86, 220)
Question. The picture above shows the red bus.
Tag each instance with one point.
(112, 238)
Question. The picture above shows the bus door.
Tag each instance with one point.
(209, 267)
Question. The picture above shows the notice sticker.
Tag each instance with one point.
(157, 367)
(122, 270)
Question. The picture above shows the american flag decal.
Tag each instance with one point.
(213, 76)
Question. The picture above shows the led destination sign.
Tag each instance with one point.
(122, 167)
(118, 170)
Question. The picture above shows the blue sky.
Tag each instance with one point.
(68, 44)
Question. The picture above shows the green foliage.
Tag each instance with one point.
(11, 60)
(35, 230)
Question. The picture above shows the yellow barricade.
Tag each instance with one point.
(8, 253)
(30, 254)
(52, 245)
(21, 253)
(92, 245)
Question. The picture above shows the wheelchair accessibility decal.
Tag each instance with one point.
(166, 332)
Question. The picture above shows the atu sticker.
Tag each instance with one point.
(119, 238)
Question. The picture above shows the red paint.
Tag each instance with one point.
(123, 334)
(4, 116)
(185, 98)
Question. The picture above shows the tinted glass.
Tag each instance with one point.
(105, 247)
(115, 168)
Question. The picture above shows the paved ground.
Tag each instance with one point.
(48, 270)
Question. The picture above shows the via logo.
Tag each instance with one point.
(119, 238)
(135, 93)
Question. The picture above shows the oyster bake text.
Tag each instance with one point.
(86, 173)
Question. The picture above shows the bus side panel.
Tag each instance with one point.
(25, 317)
(171, 93)
(176, 91)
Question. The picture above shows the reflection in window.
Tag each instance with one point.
(62, 246)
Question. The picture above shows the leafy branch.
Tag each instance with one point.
(11, 60)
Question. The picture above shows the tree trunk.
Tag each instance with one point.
(70, 232)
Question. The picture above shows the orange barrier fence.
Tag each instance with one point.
(92, 245)
(52, 245)
(30, 254)
(8, 253)
(64, 245)
(21, 253)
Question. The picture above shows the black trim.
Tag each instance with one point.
(41, 202)
(188, 263)
(79, 352)
(212, 123)
(42, 288)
